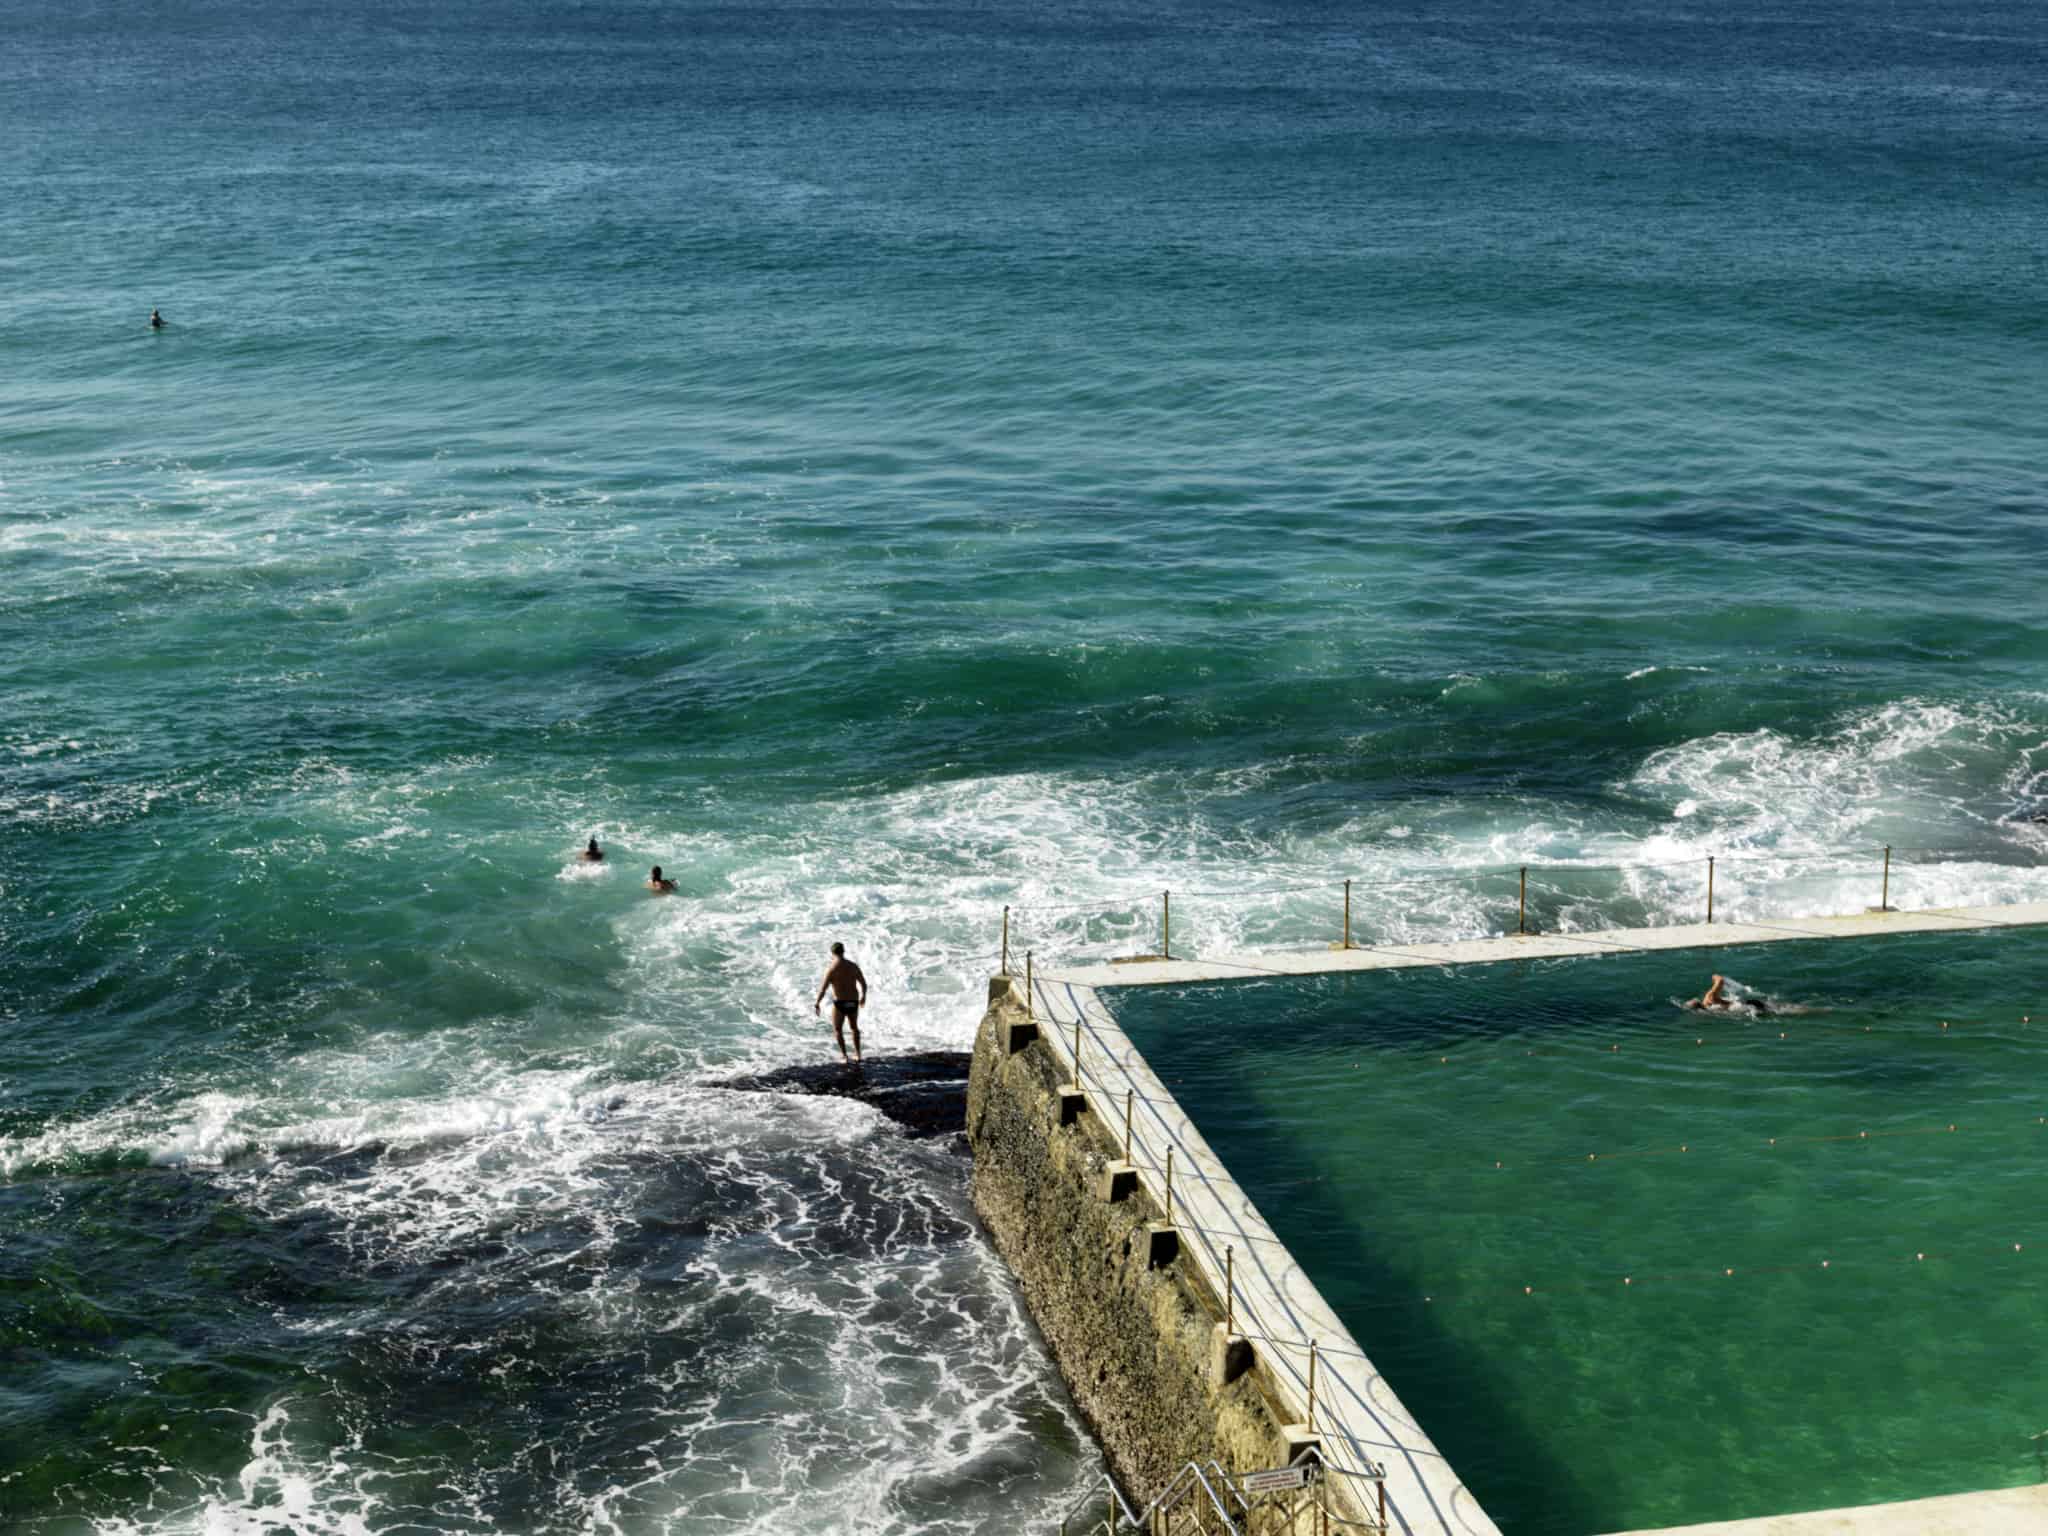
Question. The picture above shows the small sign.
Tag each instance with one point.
(1276, 1479)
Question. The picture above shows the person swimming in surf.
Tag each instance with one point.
(156, 319)
(658, 884)
(592, 854)
(849, 996)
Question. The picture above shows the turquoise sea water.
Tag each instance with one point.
(1632, 1266)
(884, 463)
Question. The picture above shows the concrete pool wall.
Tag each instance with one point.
(1137, 1344)
(1046, 1118)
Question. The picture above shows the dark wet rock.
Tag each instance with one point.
(925, 1092)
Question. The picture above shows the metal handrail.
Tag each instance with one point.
(1223, 1476)
(1180, 1487)
(1084, 1509)
(1117, 1514)
(1840, 858)
(1114, 1516)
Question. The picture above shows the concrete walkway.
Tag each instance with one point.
(2001, 1512)
(1543, 946)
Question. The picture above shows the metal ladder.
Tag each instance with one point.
(1204, 1500)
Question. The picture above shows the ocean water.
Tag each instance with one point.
(885, 463)
(1632, 1266)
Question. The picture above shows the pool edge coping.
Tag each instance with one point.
(1424, 1494)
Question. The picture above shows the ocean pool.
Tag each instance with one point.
(1634, 1266)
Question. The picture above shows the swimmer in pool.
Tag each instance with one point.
(1716, 997)
(592, 854)
(657, 884)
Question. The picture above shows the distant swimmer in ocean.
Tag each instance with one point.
(1716, 997)
(592, 854)
(156, 319)
(656, 883)
(849, 995)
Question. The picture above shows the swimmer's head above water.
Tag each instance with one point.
(1716, 997)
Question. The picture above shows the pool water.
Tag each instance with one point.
(1634, 1266)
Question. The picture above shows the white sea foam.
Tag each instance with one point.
(279, 1491)
(870, 1346)
(1641, 672)
(867, 1342)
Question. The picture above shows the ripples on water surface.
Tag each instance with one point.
(1761, 1252)
(885, 463)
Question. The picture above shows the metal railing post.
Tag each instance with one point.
(1522, 909)
(1229, 1289)
(1166, 924)
(1029, 1005)
(1347, 914)
(1884, 902)
(1169, 1186)
(1006, 941)
(1710, 887)
(1077, 1050)
(1311, 1386)
(1130, 1095)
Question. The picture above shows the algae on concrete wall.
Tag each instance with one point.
(1133, 1342)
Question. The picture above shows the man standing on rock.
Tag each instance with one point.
(849, 996)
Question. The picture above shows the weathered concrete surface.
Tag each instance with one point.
(1132, 1342)
(1539, 946)
(2002, 1512)
(1134, 1346)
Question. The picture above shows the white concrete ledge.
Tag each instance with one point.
(2001, 1512)
(1544, 946)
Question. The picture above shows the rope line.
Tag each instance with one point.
(1633, 1279)
(1766, 1143)
(1953, 1028)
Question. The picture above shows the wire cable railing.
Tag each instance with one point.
(1554, 899)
